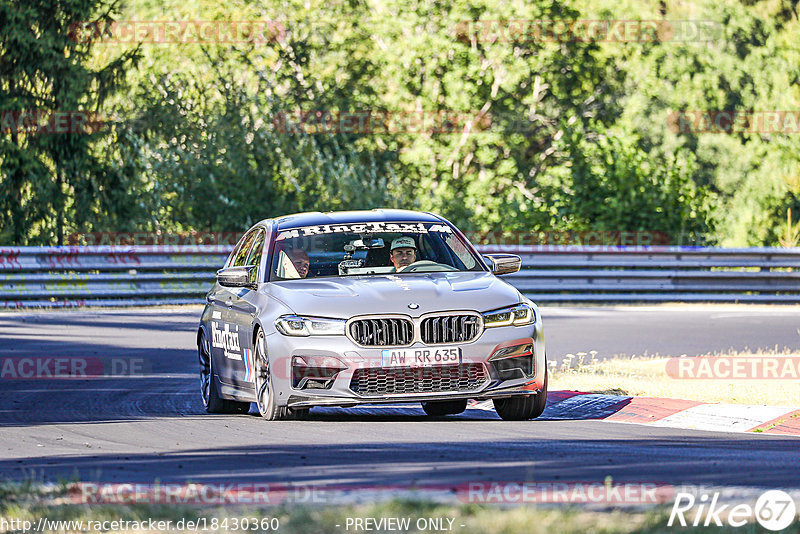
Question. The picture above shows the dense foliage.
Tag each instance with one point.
(521, 134)
(51, 178)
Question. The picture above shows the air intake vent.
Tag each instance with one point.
(382, 332)
(379, 381)
(450, 329)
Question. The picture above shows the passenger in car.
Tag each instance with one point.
(300, 260)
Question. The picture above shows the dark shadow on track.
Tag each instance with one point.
(28, 403)
(671, 461)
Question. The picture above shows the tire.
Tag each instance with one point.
(439, 408)
(523, 407)
(209, 393)
(265, 393)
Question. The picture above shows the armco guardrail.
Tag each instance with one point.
(162, 274)
(656, 274)
(106, 275)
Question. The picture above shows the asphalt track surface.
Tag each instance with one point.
(152, 427)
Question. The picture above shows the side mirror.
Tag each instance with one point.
(504, 263)
(238, 277)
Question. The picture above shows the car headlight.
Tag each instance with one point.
(294, 325)
(519, 315)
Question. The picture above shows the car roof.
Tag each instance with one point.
(340, 217)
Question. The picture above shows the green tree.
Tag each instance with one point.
(615, 184)
(749, 63)
(222, 156)
(560, 135)
(52, 182)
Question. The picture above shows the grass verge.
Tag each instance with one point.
(421, 517)
(647, 376)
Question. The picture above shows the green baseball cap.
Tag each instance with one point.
(403, 242)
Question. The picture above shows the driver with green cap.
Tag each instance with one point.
(403, 253)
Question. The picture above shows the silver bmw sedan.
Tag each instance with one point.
(381, 306)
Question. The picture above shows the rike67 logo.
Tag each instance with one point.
(774, 510)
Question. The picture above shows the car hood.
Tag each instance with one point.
(345, 297)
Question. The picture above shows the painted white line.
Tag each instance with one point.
(723, 417)
(486, 405)
(707, 417)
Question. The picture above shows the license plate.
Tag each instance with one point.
(421, 357)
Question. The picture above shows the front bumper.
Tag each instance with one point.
(339, 391)
(302, 400)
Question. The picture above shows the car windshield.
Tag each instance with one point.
(363, 249)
